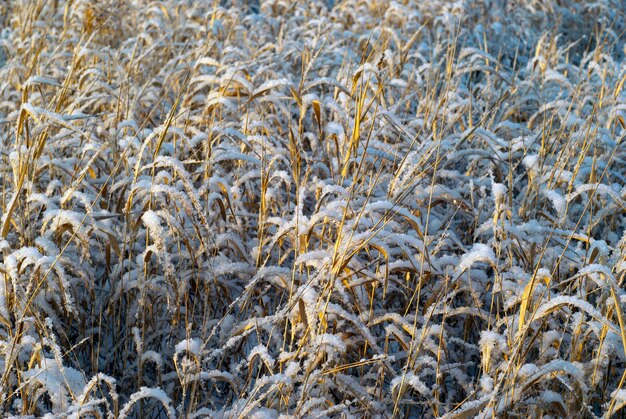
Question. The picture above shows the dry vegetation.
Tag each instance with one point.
(383, 208)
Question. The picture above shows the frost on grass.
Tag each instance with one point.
(310, 208)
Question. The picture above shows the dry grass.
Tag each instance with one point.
(379, 209)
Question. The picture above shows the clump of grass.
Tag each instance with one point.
(369, 208)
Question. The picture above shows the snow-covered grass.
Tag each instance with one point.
(376, 208)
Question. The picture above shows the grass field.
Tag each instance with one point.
(283, 208)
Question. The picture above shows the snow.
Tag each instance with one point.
(499, 191)
(552, 397)
(261, 352)
(193, 346)
(486, 384)
(558, 202)
(556, 302)
(288, 208)
(492, 339)
(479, 253)
(331, 343)
(148, 393)
(527, 370)
(61, 383)
(272, 84)
(153, 222)
(411, 380)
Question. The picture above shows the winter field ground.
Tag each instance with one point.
(371, 209)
